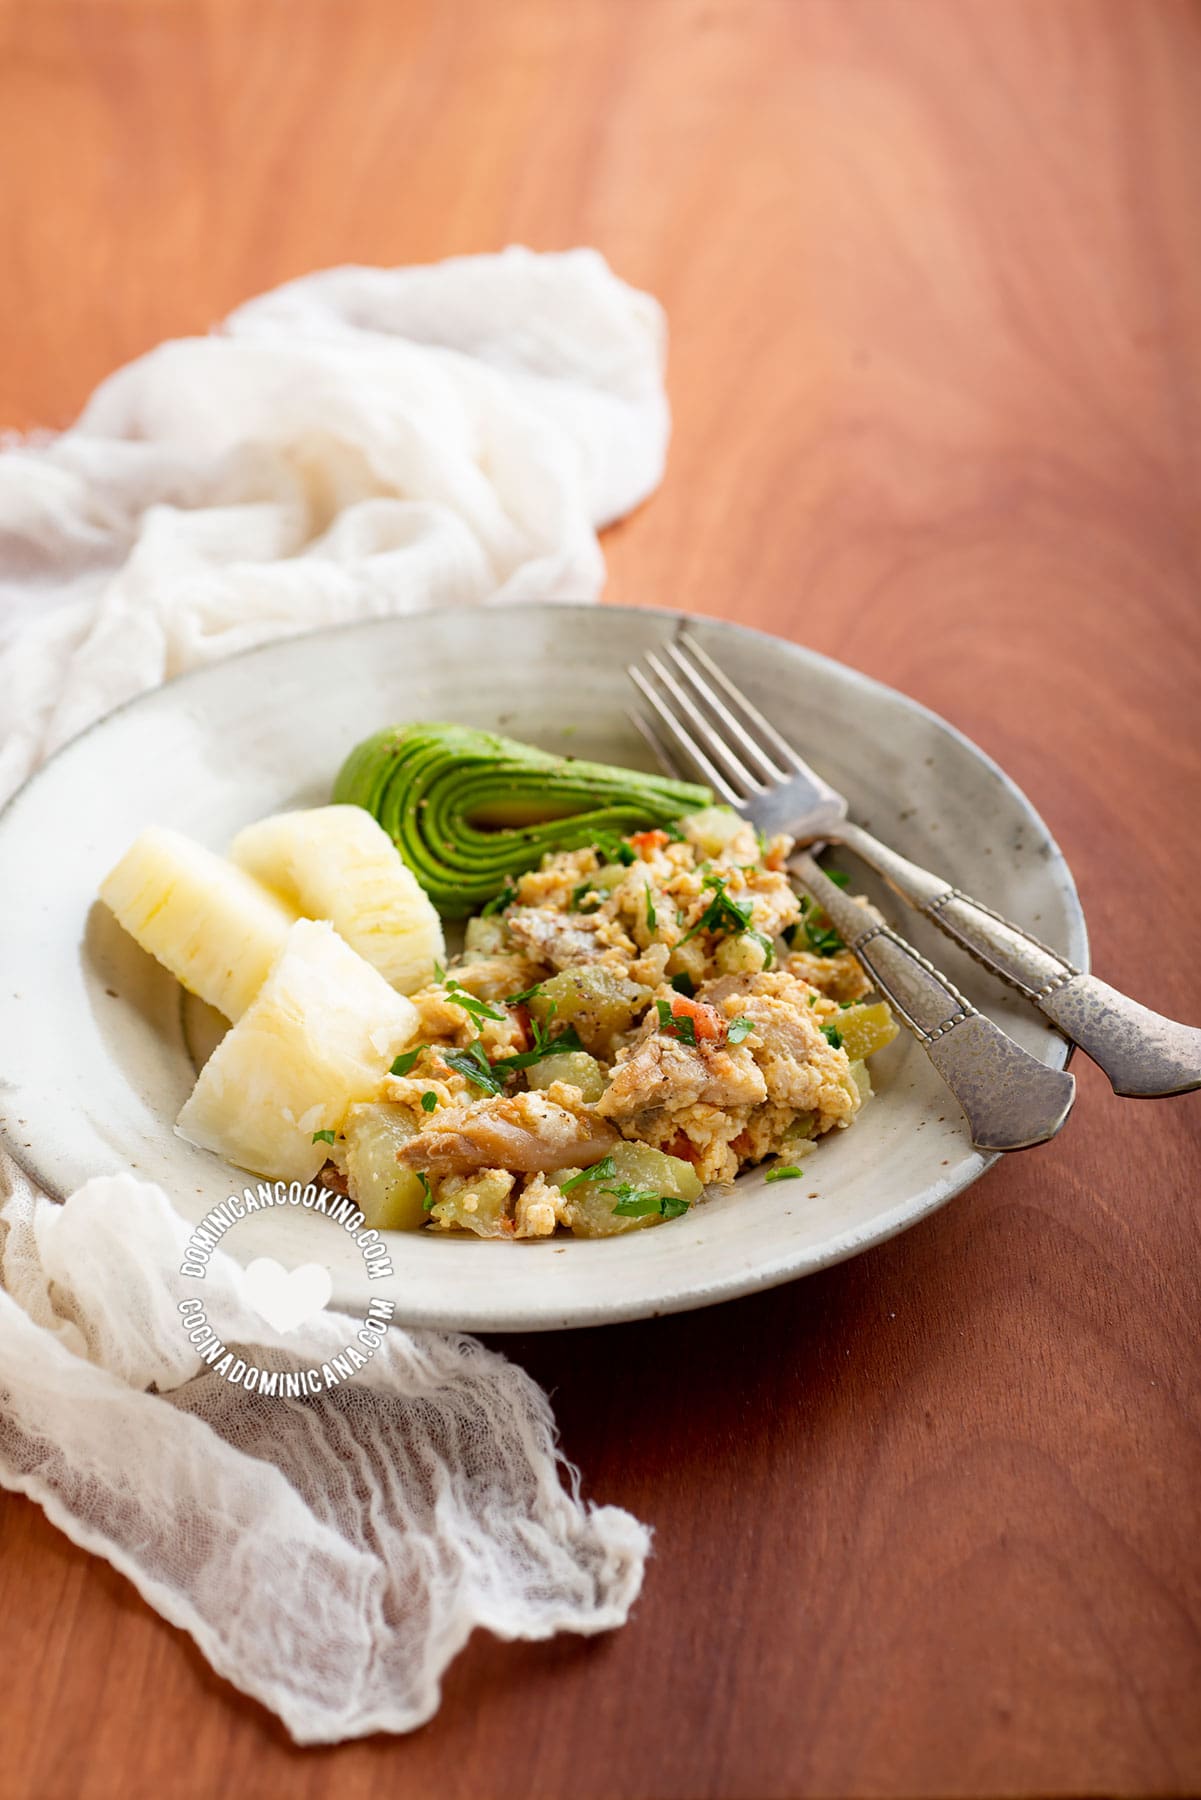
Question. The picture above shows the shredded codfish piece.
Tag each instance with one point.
(523, 1132)
(664, 1074)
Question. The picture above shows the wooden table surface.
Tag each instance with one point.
(927, 1523)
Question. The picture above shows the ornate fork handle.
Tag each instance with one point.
(1011, 1100)
(1144, 1054)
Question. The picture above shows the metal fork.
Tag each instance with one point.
(755, 769)
(1011, 1100)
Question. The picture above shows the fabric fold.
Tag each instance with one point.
(358, 443)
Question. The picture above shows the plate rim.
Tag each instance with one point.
(735, 1285)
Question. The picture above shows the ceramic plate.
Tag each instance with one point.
(98, 1052)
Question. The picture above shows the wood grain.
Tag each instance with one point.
(928, 1522)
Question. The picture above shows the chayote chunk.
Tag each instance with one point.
(594, 998)
(477, 1202)
(389, 1196)
(713, 829)
(576, 1066)
(590, 1203)
(865, 1029)
(741, 955)
(608, 877)
(798, 1137)
(861, 1080)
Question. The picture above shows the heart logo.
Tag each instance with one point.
(286, 1298)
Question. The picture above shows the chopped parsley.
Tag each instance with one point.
(726, 914)
(722, 913)
(821, 940)
(684, 984)
(581, 893)
(475, 1066)
(601, 1171)
(525, 994)
(424, 1179)
(404, 1063)
(639, 1203)
(544, 1045)
(739, 1028)
(458, 995)
(615, 849)
(785, 1172)
(652, 917)
(323, 1137)
(499, 902)
(832, 1036)
(429, 1100)
(839, 877)
(765, 944)
(677, 1025)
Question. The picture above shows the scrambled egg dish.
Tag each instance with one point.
(627, 1024)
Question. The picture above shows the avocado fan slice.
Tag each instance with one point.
(468, 809)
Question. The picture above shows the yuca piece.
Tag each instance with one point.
(215, 927)
(320, 1037)
(337, 863)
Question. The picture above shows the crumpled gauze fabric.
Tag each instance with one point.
(360, 442)
(357, 443)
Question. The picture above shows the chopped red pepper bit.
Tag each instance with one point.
(707, 1022)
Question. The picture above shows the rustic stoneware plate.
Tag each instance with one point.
(97, 1053)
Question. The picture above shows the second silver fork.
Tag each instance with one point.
(1011, 1100)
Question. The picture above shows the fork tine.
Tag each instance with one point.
(767, 768)
(647, 731)
(699, 727)
(754, 717)
(713, 775)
